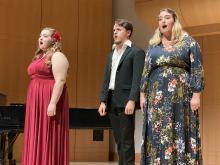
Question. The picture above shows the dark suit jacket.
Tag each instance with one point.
(128, 77)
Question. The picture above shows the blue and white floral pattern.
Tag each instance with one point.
(171, 129)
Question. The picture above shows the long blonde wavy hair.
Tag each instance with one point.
(177, 30)
(55, 46)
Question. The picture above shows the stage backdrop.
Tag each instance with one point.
(86, 30)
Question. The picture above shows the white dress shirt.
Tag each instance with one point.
(116, 57)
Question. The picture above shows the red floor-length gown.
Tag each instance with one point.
(46, 139)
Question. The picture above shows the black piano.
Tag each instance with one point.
(12, 123)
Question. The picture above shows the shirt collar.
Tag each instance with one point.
(126, 43)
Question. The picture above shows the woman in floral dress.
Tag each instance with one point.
(171, 84)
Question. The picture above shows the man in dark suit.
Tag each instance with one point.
(120, 90)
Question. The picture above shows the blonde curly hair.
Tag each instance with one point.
(177, 30)
(55, 46)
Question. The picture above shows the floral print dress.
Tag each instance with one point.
(171, 129)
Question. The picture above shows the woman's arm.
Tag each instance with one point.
(60, 66)
(196, 74)
(144, 80)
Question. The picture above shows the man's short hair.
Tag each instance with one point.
(126, 24)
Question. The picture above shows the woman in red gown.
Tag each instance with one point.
(46, 132)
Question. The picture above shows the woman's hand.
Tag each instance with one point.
(195, 101)
(142, 101)
(51, 110)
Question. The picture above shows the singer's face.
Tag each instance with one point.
(120, 34)
(166, 22)
(44, 40)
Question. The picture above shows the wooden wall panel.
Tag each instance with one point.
(211, 135)
(211, 100)
(86, 43)
(86, 30)
(88, 150)
(148, 10)
(18, 39)
(72, 145)
(95, 26)
(17, 149)
(18, 34)
(63, 16)
(211, 44)
(188, 10)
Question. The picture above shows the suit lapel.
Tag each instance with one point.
(127, 50)
(110, 62)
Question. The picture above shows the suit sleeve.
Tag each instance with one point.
(138, 65)
(105, 83)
